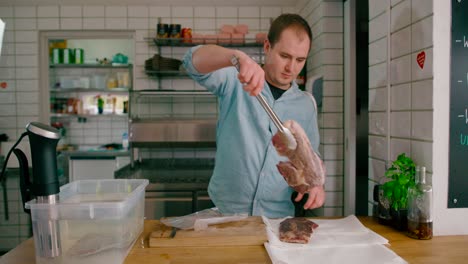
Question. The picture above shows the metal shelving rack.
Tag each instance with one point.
(77, 91)
(174, 43)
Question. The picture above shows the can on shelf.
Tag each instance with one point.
(162, 32)
(67, 56)
(57, 56)
(174, 32)
(79, 56)
(186, 35)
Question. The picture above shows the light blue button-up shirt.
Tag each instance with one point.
(245, 178)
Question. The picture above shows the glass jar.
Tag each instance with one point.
(112, 82)
(420, 207)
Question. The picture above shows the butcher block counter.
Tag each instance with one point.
(440, 249)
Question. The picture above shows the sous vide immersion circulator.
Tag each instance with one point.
(45, 187)
(42, 189)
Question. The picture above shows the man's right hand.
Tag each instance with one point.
(251, 75)
(210, 58)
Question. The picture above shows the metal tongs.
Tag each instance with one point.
(291, 141)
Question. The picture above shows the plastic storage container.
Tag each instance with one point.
(97, 221)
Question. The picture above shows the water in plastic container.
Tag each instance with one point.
(97, 221)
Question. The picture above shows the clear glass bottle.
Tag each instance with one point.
(420, 207)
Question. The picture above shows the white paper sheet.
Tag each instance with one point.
(364, 254)
(347, 231)
(344, 240)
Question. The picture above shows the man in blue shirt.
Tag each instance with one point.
(245, 178)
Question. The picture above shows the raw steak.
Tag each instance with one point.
(304, 169)
(296, 230)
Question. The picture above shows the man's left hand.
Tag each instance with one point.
(316, 198)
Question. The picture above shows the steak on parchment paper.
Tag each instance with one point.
(304, 169)
(296, 230)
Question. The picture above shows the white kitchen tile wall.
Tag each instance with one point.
(207, 11)
(400, 16)
(27, 97)
(270, 12)
(115, 11)
(6, 11)
(376, 170)
(333, 88)
(70, 11)
(421, 125)
(332, 151)
(116, 23)
(377, 147)
(401, 97)
(24, 23)
(421, 34)
(334, 183)
(378, 28)
(377, 7)
(420, 9)
(93, 23)
(421, 95)
(71, 23)
(25, 36)
(226, 11)
(93, 11)
(182, 11)
(249, 12)
(7, 73)
(409, 84)
(48, 11)
(400, 124)
(329, 40)
(7, 60)
(331, 136)
(26, 73)
(332, 104)
(137, 23)
(399, 43)
(378, 75)
(138, 11)
(377, 99)
(25, 11)
(334, 199)
(378, 124)
(400, 70)
(376, 55)
(17, 228)
(422, 153)
(399, 145)
(326, 60)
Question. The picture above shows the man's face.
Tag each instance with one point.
(284, 61)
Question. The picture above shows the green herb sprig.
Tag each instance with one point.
(402, 178)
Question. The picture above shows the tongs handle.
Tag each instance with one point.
(291, 141)
(262, 101)
(270, 113)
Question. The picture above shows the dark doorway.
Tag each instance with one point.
(362, 99)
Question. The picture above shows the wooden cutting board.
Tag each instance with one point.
(248, 232)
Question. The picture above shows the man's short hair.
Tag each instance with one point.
(285, 21)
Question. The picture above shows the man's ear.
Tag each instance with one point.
(266, 46)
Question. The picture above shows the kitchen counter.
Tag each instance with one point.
(170, 171)
(97, 153)
(440, 249)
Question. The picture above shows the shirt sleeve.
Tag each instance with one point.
(219, 82)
